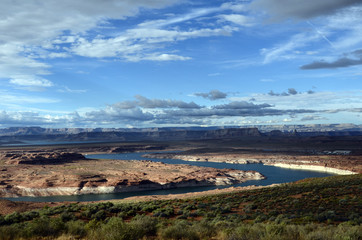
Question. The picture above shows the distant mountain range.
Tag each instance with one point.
(342, 127)
(21, 131)
(14, 134)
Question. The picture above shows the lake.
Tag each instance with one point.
(273, 174)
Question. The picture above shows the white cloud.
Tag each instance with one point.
(12, 63)
(159, 23)
(158, 112)
(159, 57)
(305, 100)
(350, 21)
(236, 7)
(286, 51)
(30, 81)
(58, 55)
(212, 95)
(238, 19)
(327, 30)
(75, 16)
(68, 90)
(33, 30)
(136, 44)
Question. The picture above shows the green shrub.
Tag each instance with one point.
(76, 228)
(45, 226)
(67, 216)
(9, 232)
(100, 215)
(179, 230)
(143, 226)
(204, 229)
(114, 229)
(14, 217)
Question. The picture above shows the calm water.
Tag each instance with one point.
(273, 174)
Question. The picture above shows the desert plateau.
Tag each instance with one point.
(82, 168)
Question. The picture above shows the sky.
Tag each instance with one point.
(174, 63)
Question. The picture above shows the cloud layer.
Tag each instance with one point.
(144, 112)
(212, 95)
(75, 63)
(349, 59)
(281, 10)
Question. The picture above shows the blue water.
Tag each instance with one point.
(273, 174)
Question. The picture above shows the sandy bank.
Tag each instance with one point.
(313, 168)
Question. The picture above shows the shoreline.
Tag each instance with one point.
(312, 168)
(75, 191)
(104, 179)
(292, 163)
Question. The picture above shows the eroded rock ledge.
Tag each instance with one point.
(343, 165)
(31, 174)
(16, 158)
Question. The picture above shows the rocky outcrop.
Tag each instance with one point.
(109, 176)
(326, 163)
(17, 158)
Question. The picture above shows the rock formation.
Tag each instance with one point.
(338, 164)
(31, 174)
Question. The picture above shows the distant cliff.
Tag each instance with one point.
(42, 134)
(17, 135)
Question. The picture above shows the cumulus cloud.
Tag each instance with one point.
(154, 112)
(113, 114)
(212, 95)
(154, 103)
(232, 109)
(220, 112)
(158, 103)
(280, 10)
(290, 92)
(349, 59)
(242, 105)
(137, 113)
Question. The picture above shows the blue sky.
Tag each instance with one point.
(147, 63)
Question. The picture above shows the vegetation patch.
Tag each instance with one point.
(319, 208)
